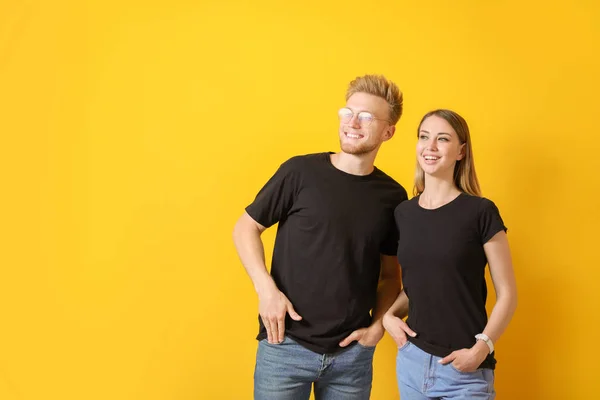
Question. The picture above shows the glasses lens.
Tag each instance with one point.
(345, 114)
(365, 118)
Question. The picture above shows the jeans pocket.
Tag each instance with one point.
(488, 375)
(286, 341)
(477, 371)
(404, 346)
(365, 347)
(455, 369)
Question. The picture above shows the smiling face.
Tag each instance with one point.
(438, 147)
(360, 134)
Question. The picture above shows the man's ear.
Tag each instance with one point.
(389, 132)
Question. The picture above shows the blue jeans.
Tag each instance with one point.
(287, 371)
(421, 377)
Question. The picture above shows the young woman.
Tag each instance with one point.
(448, 233)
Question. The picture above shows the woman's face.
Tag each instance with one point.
(438, 147)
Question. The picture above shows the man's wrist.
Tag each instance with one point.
(265, 286)
(377, 327)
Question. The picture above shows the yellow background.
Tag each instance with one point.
(133, 133)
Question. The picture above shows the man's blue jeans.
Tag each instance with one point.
(287, 371)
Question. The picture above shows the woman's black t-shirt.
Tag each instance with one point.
(443, 264)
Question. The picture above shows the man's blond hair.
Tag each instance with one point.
(378, 85)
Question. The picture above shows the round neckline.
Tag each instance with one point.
(344, 173)
(454, 200)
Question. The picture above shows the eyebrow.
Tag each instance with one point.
(441, 133)
(359, 111)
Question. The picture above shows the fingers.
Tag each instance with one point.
(280, 329)
(448, 359)
(290, 309)
(398, 329)
(268, 329)
(275, 325)
(273, 313)
(407, 329)
(350, 338)
(275, 328)
(399, 337)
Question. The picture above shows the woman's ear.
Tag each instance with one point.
(463, 152)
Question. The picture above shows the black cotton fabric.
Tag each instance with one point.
(333, 226)
(443, 265)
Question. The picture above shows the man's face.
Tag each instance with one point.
(364, 124)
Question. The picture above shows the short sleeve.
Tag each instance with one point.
(390, 244)
(276, 198)
(490, 221)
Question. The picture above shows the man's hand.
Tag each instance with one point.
(397, 328)
(368, 337)
(467, 360)
(272, 308)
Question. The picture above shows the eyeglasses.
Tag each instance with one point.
(365, 118)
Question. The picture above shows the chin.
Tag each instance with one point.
(356, 150)
(439, 173)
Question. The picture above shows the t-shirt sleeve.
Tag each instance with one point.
(490, 221)
(390, 244)
(275, 199)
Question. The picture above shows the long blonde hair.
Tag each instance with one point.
(465, 177)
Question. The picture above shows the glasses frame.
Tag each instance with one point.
(357, 115)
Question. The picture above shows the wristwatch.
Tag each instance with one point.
(487, 340)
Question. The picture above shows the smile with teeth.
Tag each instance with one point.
(353, 135)
(431, 159)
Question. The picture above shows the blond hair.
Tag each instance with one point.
(378, 85)
(465, 177)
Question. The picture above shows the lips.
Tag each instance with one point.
(430, 160)
(353, 135)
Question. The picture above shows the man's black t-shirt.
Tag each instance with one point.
(333, 226)
(443, 264)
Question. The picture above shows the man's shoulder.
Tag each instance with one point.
(393, 184)
(303, 160)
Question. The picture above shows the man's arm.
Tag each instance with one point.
(388, 289)
(273, 304)
(387, 293)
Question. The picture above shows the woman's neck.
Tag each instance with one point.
(437, 192)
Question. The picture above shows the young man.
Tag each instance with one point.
(334, 259)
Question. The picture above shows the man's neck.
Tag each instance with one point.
(362, 164)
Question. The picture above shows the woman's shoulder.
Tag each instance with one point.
(479, 204)
(407, 204)
(474, 199)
